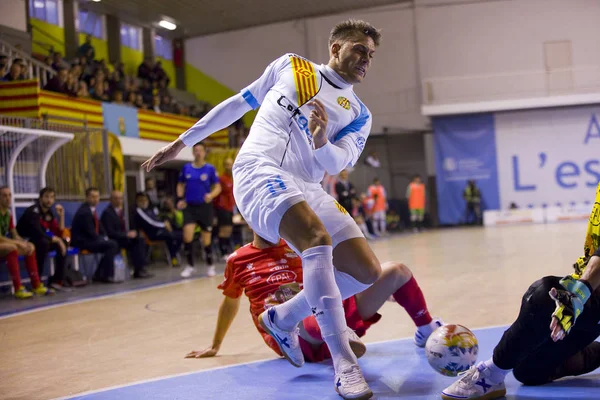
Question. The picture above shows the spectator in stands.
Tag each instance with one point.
(86, 68)
(88, 234)
(378, 194)
(171, 214)
(113, 222)
(146, 92)
(146, 220)
(224, 204)
(3, 65)
(167, 105)
(12, 246)
(156, 107)
(131, 99)
(39, 225)
(145, 70)
(152, 193)
(76, 71)
(57, 61)
(15, 72)
(345, 191)
(60, 82)
(98, 93)
(82, 91)
(120, 73)
(86, 49)
(117, 97)
(139, 102)
(159, 73)
(472, 196)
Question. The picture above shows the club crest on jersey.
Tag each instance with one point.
(203, 177)
(344, 102)
(340, 207)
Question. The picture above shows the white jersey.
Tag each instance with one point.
(280, 134)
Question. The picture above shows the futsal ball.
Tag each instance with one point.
(451, 349)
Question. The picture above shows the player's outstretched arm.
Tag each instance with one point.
(218, 118)
(227, 312)
(570, 302)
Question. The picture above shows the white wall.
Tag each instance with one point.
(13, 14)
(548, 156)
(503, 38)
(390, 91)
(237, 58)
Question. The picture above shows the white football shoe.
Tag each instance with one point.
(288, 342)
(475, 383)
(350, 384)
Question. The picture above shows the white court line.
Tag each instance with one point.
(100, 297)
(160, 378)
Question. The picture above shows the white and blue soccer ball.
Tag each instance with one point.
(451, 349)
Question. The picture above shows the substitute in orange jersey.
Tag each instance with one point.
(270, 274)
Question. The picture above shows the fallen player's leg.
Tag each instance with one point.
(361, 311)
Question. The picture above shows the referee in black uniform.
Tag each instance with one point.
(198, 186)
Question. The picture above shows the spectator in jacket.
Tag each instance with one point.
(345, 191)
(113, 222)
(147, 220)
(88, 234)
(45, 231)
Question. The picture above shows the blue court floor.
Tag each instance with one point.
(394, 370)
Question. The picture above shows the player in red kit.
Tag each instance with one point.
(271, 274)
(224, 204)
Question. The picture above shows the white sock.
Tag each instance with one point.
(288, 314)
(383, 225)
(497, 374)
(323, 296)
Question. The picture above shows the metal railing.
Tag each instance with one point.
(35, 68)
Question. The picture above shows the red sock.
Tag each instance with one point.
(411, 298)
(32, 268)
(12, 262)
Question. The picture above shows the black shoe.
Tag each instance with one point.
(142, 274)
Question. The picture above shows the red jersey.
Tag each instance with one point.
(225, 200)
(268, 276)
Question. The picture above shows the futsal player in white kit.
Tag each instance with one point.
(310, 122)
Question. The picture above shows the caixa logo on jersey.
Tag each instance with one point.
(282, 277)
(297, 116)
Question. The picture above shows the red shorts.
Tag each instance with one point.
(353, 320)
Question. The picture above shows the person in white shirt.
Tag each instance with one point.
(310, 122)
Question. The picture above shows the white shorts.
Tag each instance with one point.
(379, 215)
(264, 192)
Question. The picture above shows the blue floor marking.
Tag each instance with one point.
(394, 370)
